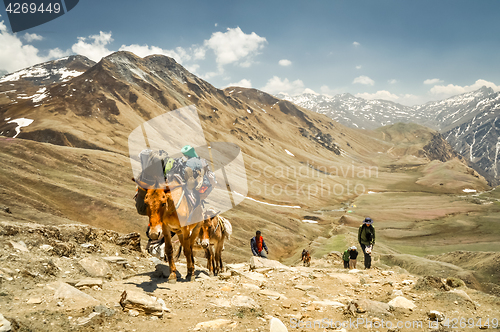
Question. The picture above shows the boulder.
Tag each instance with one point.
(4, 324)
(143, 303)
(259, 262)
(89, 282)
(65, 291)
(402, 302)
(95, 268)
(374, 308)
(277, 325)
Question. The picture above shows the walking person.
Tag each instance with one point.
(366, 238)
(258, 245)
(353, 255)
(345, 258)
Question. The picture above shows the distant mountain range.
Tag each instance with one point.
(79, 103)
(470, 122)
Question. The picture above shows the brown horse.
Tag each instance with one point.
(214, 230)
(168, 210)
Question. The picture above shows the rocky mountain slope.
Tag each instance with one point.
(463, 119)
(80, 278)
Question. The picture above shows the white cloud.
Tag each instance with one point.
(244, 83)
(444, 91)
(363, 80)
(358, 67)
(277, 85)
(382, 94)
(15, 55)
(392, 81)
(433, 81)
(235, 47)
(285, 62)
(356, 44)
(193, 68)
(96, 49)
(29, 37)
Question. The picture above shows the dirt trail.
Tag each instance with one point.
(72, 278)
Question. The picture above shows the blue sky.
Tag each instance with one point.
(405, 51)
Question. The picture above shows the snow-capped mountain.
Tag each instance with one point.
(56, 71)
(470, 121)
(352, 111)
(449, 113)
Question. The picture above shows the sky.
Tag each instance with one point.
(409, 52)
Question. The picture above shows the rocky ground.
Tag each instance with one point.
(80, 278)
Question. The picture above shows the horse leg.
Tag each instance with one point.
(169, 251)
(189, 240)
(218, 255)
(209, 257)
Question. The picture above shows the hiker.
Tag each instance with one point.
(258, 245)
(345, 258)
(304, 253)
(306, 258)
(353, 254)
(366, 238)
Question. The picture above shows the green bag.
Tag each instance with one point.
(169, 163)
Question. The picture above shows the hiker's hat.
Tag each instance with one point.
(368, 221)
(354, 248)
(189, 151)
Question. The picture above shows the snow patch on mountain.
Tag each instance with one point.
(21, 122)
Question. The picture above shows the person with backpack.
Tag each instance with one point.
(345, 258)
(258, 245)
(353, 255)
(366, 238)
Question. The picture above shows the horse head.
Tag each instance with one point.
(157, 200)
(208, 226)
(157, 203)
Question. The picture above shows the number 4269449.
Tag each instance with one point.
(32, 8)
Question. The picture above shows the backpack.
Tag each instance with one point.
(152, 164)
(369, 235)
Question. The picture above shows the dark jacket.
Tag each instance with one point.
(363, 234)
(253, 245)
(353, 254)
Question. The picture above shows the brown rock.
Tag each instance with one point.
(131, 241)
(143, 303)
